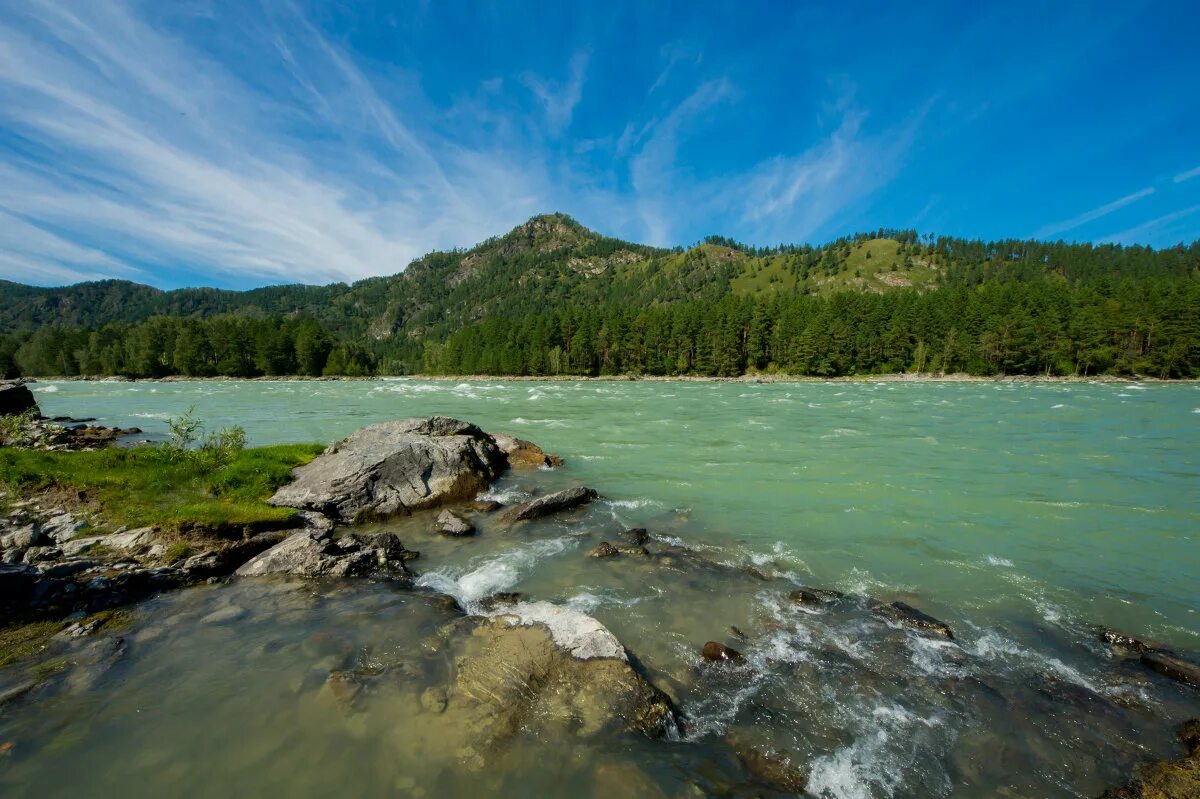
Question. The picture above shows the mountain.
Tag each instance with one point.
(552, 265)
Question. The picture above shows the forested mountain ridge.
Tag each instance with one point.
(554, 297)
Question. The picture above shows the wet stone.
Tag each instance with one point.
(1173, 667)
(715, 652)
(603, 550)
(450, 523)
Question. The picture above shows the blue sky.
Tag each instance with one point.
(241, 143)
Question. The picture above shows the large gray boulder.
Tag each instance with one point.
(395, 468)
(313, 553)
(16, 398)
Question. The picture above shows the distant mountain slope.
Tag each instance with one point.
(552, 260)
(552, 297)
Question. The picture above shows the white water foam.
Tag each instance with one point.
(876, 762)
(498, 573)
(993, 560)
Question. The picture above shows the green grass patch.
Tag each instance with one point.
(196, 491)
(21, 641)
(876, 265)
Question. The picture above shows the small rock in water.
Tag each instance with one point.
(906, 614)
(224, 615)
(485, 505)
(450, 523)
(813, 596)
(1114, 638)
(434, 699)
(603, 550)
(736, 632)
(715, 652)
(344, 685)
(636, 536)
(500, 598)
(559, 501)
(773, 770)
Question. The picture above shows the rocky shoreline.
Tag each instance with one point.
(892, 377)
(559, 664)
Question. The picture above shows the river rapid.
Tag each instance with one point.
(1022, 514)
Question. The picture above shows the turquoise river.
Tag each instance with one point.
(1023, 514)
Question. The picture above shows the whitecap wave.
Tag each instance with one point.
(498, 573)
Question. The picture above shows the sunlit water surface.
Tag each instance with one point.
(1022, 514)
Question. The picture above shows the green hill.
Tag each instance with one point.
(551, 281)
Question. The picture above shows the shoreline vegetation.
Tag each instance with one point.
(894, 377)
(554, 298)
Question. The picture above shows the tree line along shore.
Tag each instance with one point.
(553, 299)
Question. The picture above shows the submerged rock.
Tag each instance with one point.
(394, 468)
(554, 503)
(636, 536)
(603, 550)
(1172, 666)
(715, 652)
(316, 554)
(525, 454)
(1167, 779)
(537, 668)
(1114, 638)
(814, 596)
(450, 523)
(765, 767)
(906, 614)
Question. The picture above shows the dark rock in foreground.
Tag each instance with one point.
(906, 614)
(554, 503)
(16, 398)
(395, 468)
(1167, 779)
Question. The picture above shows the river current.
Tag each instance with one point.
(1022, 514)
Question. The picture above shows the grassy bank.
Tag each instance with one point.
(197, 491)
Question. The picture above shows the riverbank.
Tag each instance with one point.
(760, 378)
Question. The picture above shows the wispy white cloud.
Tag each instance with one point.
(792, 197)
(675, 53)
(1188, 175)
(1157, 227)
(155, 155)
(1094, 214)
(652, 169)
(559, 99)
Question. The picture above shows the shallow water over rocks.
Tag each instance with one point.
(270, 685)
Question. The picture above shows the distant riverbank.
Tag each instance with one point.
(749, 378)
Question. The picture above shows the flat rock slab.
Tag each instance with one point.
(555, 503)
(906, 614)
(311, 553)
(395, 468)
(1171, 666)
(574, 632)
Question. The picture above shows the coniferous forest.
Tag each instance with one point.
(553, 298)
